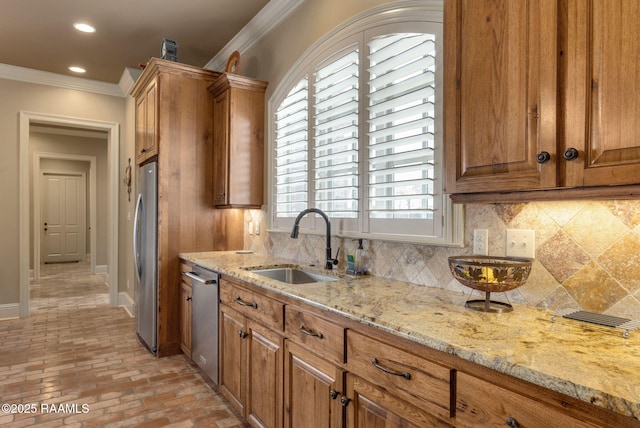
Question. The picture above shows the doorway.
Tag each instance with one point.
(38, 222)
(26, 120)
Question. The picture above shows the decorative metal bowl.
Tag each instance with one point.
(490, 274)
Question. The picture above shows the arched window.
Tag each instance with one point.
(356, 130)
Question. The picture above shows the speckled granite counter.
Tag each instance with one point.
(594, 364)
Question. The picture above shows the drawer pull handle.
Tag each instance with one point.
(310, 332)
(512, 423)
(239, 301)
(405, 375)
(243, 334)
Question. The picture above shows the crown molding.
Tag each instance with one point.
(268, 18)
(22, 74)
(128, 79)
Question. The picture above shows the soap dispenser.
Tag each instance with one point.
(357, 260)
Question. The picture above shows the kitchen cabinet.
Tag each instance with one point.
(238, 115)
(481, 403)
(400, 387)
(538, 96)
(313, 376)
(251, 353)
(185, 314)
(175, 111)
(146, 133)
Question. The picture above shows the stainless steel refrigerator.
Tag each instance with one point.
(145, 253)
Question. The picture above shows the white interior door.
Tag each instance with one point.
(63, 202)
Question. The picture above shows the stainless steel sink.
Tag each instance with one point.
(292, 275)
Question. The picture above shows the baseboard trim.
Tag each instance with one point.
(9, 311)
(125, 301)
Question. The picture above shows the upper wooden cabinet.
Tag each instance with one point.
(146, 133)
(540, 94)
(238, 146)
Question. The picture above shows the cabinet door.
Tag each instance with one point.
(264, 389)
(312, 391)
(602, 55)
(374, 407)
(146, 120)
(500, 94)
(185, 318)
(233, 343)
(221, 111)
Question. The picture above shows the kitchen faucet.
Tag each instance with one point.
(329, 261)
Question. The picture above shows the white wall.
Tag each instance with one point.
(21, 96)
(66, 144)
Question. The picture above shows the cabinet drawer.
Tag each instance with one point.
(254, 305)
(315, 333)
(480, 403)
(420, 382)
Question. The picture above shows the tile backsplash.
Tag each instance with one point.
(587, 253)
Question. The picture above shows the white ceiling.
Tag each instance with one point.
(38, 34)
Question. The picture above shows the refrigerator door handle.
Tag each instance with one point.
(137, 260)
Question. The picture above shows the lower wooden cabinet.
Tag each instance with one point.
(232, 370)
(264, 376)
(314, 377)
(185, 318)
(370, 405)
(251, 354)
(289, 365)
(480, 403)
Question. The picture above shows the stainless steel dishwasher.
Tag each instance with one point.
(204, 319)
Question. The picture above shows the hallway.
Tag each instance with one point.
(76, 362)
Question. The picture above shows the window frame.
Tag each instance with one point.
(399, 17)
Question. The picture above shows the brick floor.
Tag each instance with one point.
(76, 362)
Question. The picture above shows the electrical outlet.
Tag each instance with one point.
(250, 227)
(257, 228)
(521, 243)
(481, 242)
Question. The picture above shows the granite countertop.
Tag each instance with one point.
(594, 364)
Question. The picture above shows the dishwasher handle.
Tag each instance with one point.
(194, 276)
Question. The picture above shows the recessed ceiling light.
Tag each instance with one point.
(85, 28)
(77, 69)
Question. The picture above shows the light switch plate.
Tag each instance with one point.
(521, 243)
(481, 242)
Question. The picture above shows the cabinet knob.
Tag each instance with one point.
(189, 298)
(570, 154)
(543, 157)
(242, 334)
(143, 150)
(512, 423)
(345, 401)
(333, 394)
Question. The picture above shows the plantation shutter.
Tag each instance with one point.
(401, 119)
(291, 152)
(336, 137)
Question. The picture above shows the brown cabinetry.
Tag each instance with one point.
(537, 97)
(398, 383)
(481, 403)
(238, 115)
(146, 133)
(185, 313)
(175, 112)
(286, 363)
(251, 353)
(314, 378)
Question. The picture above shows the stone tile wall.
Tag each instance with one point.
(587, 253)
